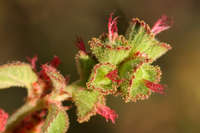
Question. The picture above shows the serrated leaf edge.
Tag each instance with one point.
(18, 63)
(53, 118)
(92, 112)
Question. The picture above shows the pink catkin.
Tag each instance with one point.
(67, 79)
(154, 87)
(43, 74)
(106, 112)
(33, 61)
(3, 120)
(112, 75)
(80, 44)
(55, 62)
(161, 24)
(112, 28)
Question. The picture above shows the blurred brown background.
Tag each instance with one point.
(49, 27)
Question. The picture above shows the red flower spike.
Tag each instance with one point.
(3, 120)
(106, 112)
(112, 75)
(80, 44)
(55, 62)
(32, 122)
(154, 87)
(162, 24)
(36, 88)
(112, 28)
(43, 74)
(67, 79)
(33, 61)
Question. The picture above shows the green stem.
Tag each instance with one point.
(29, 108)
(21, 113)
(69, 90)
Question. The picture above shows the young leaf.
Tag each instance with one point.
(57, 120)
(112, 52)
(17, 74)
(143, 40)
(85, 101)
(135, 72)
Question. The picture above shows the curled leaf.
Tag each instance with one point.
(17, 74)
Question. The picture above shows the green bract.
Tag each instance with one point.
(143, 40)
(84, 64)
(112, 52)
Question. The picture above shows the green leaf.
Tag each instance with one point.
(84, 64)
(99, 81)
(57, 120)
(85, 101)
(56, 78)
(17, 74)
(134, 72)
(143, 40)
(106, 51)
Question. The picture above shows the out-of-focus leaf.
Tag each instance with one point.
(17, 74)
(56, 78)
